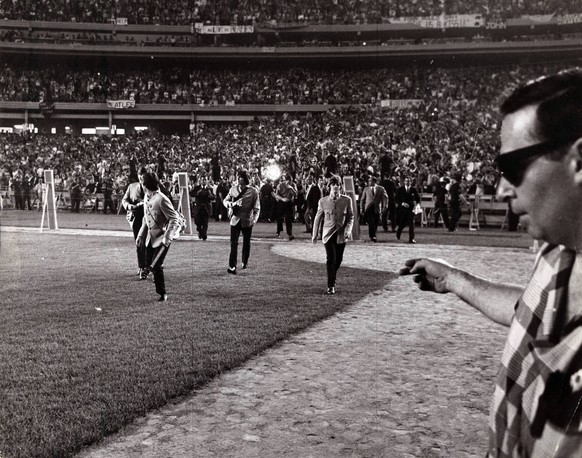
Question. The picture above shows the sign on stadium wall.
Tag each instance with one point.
(445, 21)
(570, 19)
(120, 103)
(223, 29)
(400, 103)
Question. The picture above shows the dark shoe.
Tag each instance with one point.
(291, 238)
(144, 274)
(244, 266)
(412, 241)
(231, 270)
(330, 290)
(163, 298)
(398, 235)
(374, 239)
(277, 236)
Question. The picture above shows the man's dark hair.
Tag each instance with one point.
(142, 170)
(559, 114)
(335, 180)
(150, 181)
(245, 176)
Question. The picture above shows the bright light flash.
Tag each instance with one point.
(272, 171)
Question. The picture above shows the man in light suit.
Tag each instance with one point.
(374, 200)
(406, 199)
(244, 207)
(336, 214)
(161, 223)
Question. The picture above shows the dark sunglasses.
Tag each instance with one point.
(513, 164)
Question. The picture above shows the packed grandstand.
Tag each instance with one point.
(430, 120)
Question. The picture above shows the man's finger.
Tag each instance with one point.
(409, 266)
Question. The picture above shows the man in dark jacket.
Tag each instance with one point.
(312, 197)
(406, 199)
(203, 198)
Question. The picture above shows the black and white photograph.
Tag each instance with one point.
(306, 229)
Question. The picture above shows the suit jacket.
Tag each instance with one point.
(335, 216)
(248, 208)
(161, 222)
(411, 197)
(377, 199)
(313, 196)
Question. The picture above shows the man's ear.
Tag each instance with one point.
(576, 160)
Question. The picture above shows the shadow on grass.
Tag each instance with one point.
(87, 349)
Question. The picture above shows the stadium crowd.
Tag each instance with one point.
(260, 86)
(417, 141)
(246, 12)
(450, 130)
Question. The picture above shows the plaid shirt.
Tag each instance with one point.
(536, 410)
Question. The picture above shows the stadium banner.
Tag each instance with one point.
(400, 103)
(199, 27)
(570, 19)
(445, 21)
(496, 24)
(532, 19)
(121, 104)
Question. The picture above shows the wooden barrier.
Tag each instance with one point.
(486, 204)
(479, 207)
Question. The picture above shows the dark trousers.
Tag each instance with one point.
(373, 219)
(285, 210)
(405, 218)
(26, 201)
(441, 212)
(309, 218)
(75, 204)
(201, 221)
(158, 268)
(246, 249)
(334, 256)
(455, 216)
(135, 226)
(108, 203)
(18, 200)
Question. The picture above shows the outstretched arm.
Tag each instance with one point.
(495, 300)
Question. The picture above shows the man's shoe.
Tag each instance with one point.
(278, 235)
(412, 241)
(398, 235)
(163, 298)
(374, 239)
(144, 274)
(330, 290)
(244, 266)
(291, 238)
(231, 270)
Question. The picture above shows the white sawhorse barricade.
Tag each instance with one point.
(49, 202)
(184, 201)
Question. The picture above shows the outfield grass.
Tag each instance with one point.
(70, 374)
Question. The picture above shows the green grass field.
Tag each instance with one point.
(71, 374)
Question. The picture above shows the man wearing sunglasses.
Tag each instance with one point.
(537, 401)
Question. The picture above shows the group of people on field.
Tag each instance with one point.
(536, 410)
